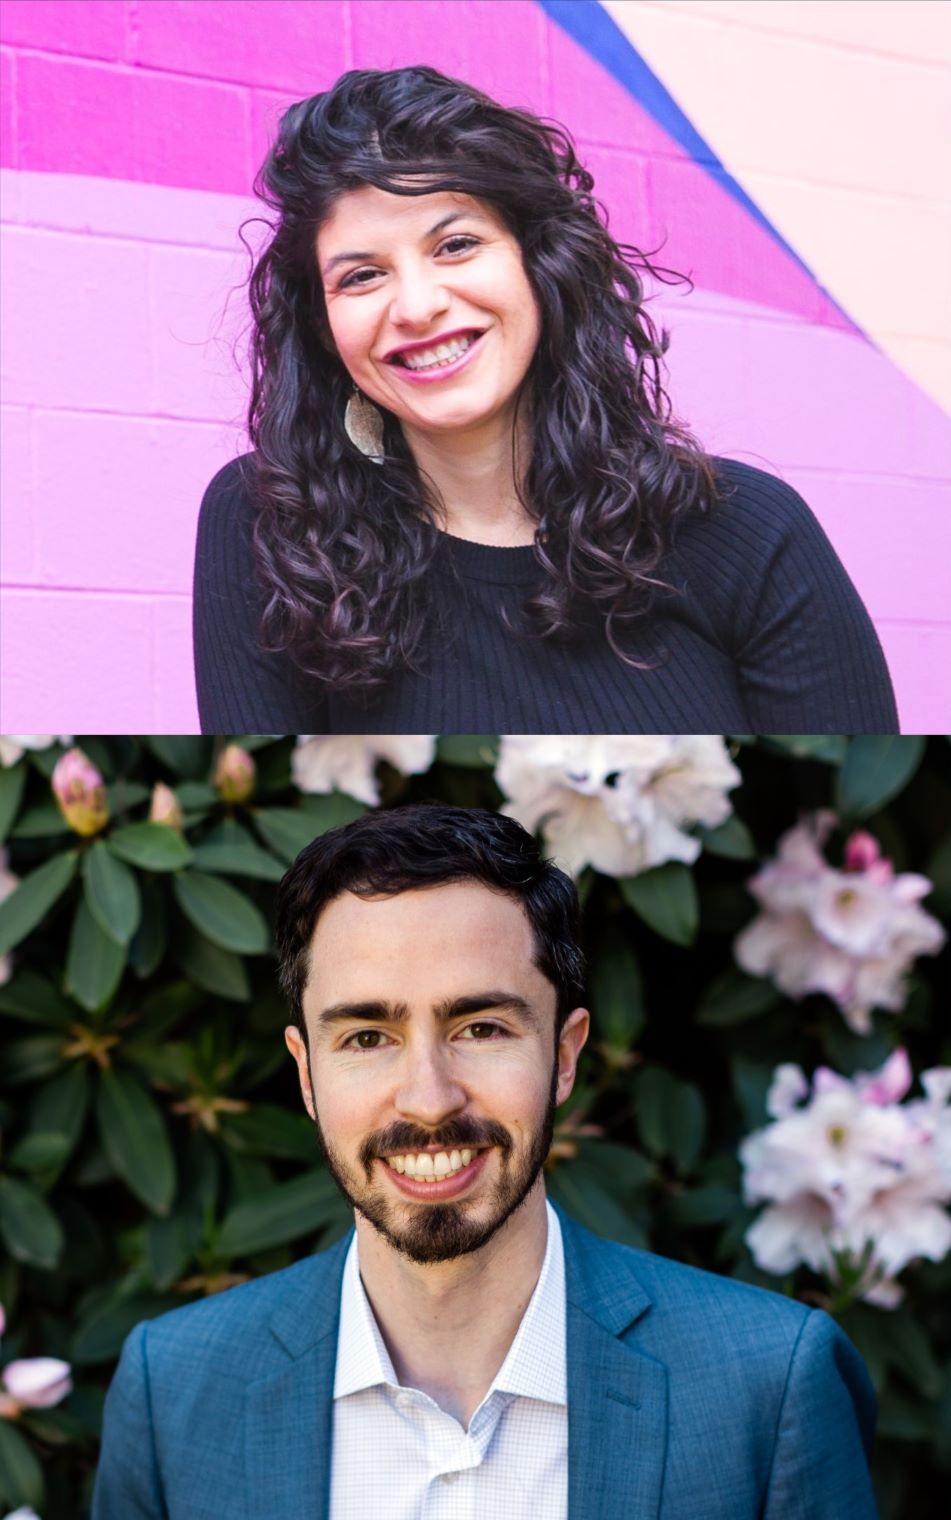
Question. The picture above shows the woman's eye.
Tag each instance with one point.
(355, 278)
(459, 244)
(469, 242)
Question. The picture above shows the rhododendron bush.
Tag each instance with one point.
(765, 1093)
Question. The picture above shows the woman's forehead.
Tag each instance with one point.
(387, 214)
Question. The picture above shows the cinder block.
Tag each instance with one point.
(85, 118)
(893, 533)
(74, 663)
(76, 321)
(594, 106)
(174, 704)
(199, 307)
(621, 182)
(919, 658)
(93, 29)
(499, 48)
(140, 481)
(280, 44)
(8, 142)
(17, 516)
(267, 108)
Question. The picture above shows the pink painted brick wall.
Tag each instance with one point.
(131, 133)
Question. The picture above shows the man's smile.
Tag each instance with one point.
(435, 1176)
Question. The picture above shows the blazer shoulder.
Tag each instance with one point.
(232, 1328)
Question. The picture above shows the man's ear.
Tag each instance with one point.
(297, 1046)
(574, 1032)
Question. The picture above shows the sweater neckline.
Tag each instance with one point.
(514, 566)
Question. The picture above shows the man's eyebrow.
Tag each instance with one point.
(453, 216)
(380, 1012)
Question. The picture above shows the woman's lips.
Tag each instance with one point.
(439, 372)
(443, 1187)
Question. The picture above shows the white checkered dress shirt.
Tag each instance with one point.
(397, 1455)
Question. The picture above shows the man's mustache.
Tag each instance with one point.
(397, 1139)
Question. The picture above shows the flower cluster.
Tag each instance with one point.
(347, 762)
(854, 1179)
(619, 803)
(36, 1382)
(850, 933)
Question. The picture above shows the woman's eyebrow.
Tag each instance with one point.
(453, 216)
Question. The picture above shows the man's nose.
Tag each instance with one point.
(418, 300)
(428, 1091)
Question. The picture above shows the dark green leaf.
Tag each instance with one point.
(877, 767)
(732, 840)
(39, 1151)
(478, 751)
(331, 810)
(266, 1130)
(135, 1139)
(169, 1064)
(287, 830)
(150, 846)
(283, 1212)
(185, 754)
(751, 1083)
(94, 963)
(703, 1206)
(585, 1200)
(671, 1117)
(112, 893)
(196, 796)
(231, 850)
(666, 899)
(12, 781)
(35, 1000)
(159, 1011)
(42, 820)
(28, 1225)
(214, 970)
(150, 940)
(100, 1335)
(618, 994)
(734, 997)
(61, 1103)
(166, 1250)
(21, 1477)
(829, 748)
(33, 898)
(222, 913)
(31, 1059)
(123, 795)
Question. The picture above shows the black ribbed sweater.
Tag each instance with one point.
(763, 632)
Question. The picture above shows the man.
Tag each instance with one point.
(467, 1351)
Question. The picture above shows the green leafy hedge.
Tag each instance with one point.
(154, 1145)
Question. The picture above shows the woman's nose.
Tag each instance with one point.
(419, 298)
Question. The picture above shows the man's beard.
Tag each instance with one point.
(442, 1231)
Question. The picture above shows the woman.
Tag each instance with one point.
(467, 508)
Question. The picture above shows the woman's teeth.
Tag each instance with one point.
(443, 353)
(427, 1168)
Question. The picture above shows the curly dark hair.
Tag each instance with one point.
(343, 545)
(426, 844)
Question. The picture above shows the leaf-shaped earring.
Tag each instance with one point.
(364, 425)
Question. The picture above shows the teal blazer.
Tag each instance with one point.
(690, 1397)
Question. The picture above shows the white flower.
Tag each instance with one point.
(851, 933)
(37, 1382)
(852, 1171)
(13, 746)
(347, 762)
(7, 883)
(621, 803)
(23, 1513)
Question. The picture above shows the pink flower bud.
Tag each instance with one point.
(3, 1319)
(80, 792)
(234, 774)
(887, 1085)
(862, 853)
(165, 807)
(38, 1382)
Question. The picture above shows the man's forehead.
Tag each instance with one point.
(426, 944)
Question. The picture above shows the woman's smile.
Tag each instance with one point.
(441, 360)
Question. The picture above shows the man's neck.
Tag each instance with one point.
(448, 1326)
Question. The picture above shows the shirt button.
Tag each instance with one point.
(404, 1401)
(450, 1477)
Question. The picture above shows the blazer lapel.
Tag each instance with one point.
(288, 1413)
(617, 1395)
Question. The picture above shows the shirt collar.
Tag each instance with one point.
(534, 1366)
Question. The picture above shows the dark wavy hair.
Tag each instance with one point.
(343, 545)
(427, 844)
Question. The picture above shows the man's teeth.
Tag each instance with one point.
(443, 353)
(428, 1168)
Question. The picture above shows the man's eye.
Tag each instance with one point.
(483, 1031)
(364, 1039)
